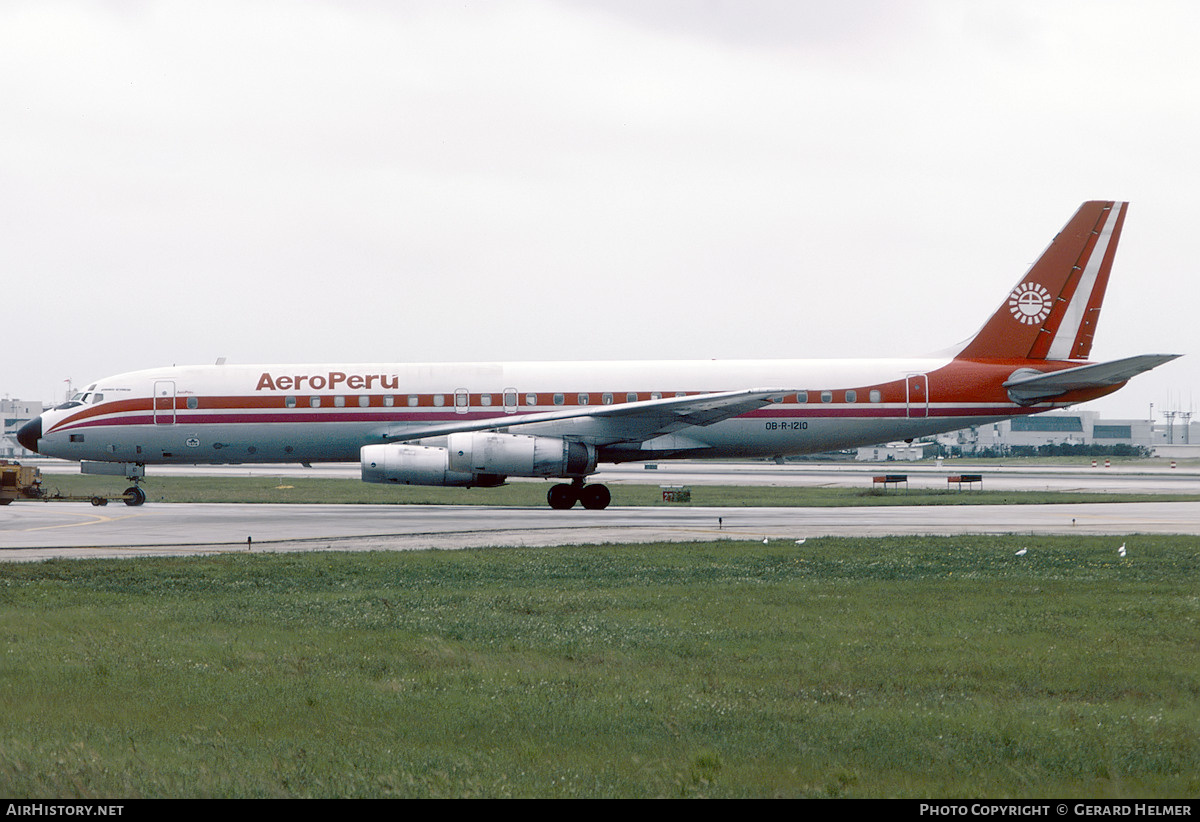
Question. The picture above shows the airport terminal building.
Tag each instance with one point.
(1076, 428)
(1175, 437)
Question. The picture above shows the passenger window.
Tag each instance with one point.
(875, 395)
(314, 402)
(413, 400)
(826, 396)
(606, 399)
(531, 399)
(389, 400)
(559, 399)
(802, 396)
(193, 403)
(485, 399)
(364, 401)
(656, 395)
(631, 396)
(339, 402)
(851, 396)
(289, 402)
(439, 400)
(584, 399)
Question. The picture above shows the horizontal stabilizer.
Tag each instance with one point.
(1028, 386)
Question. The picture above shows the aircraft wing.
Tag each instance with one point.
(1028, 386)
(608, 424)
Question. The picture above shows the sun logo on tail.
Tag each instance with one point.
(1030, 303)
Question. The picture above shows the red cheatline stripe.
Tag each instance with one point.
(859, 412)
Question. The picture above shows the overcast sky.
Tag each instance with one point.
(587, 179)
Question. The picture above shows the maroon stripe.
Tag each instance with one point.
(864, 412)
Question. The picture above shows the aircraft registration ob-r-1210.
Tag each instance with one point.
(477, 424)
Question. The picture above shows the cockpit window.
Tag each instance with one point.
(81, 398)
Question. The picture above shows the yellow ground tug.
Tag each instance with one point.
(25, 482)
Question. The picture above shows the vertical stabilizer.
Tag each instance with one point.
(1053, 311)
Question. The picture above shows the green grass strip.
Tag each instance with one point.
(899, 667)
(260, 489)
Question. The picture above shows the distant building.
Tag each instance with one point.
(1173, 438)
(897, 451)
(14, 414)
(1070, 428)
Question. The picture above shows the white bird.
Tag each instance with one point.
(1021, 553)
(801, 540)
(1121, 550)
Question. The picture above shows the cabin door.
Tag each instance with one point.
(164, 402)
(916, 387)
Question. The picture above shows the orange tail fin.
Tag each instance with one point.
(1053, 311)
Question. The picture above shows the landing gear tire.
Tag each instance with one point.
(595, 497)
(98, 501)
(561, 497)
(134, 495)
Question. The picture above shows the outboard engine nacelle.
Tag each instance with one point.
(417, 465)
(519, 455)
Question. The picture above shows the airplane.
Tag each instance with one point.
(479, 423)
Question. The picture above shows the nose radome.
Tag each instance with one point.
(29, 434)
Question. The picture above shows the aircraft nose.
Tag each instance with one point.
(29, 434)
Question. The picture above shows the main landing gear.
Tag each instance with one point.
(563, 496)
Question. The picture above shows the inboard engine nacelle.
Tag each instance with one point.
(477, 459)
(415, 465)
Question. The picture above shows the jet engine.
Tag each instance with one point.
(518, 455)
(416, 465)
(477, 459)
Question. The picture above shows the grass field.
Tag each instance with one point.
(900, 667)
(350, 491)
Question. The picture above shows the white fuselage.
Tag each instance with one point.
(305, 413)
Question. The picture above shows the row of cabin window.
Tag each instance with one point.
(851, 395)
(510, 399)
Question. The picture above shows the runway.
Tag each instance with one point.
(43, 530)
